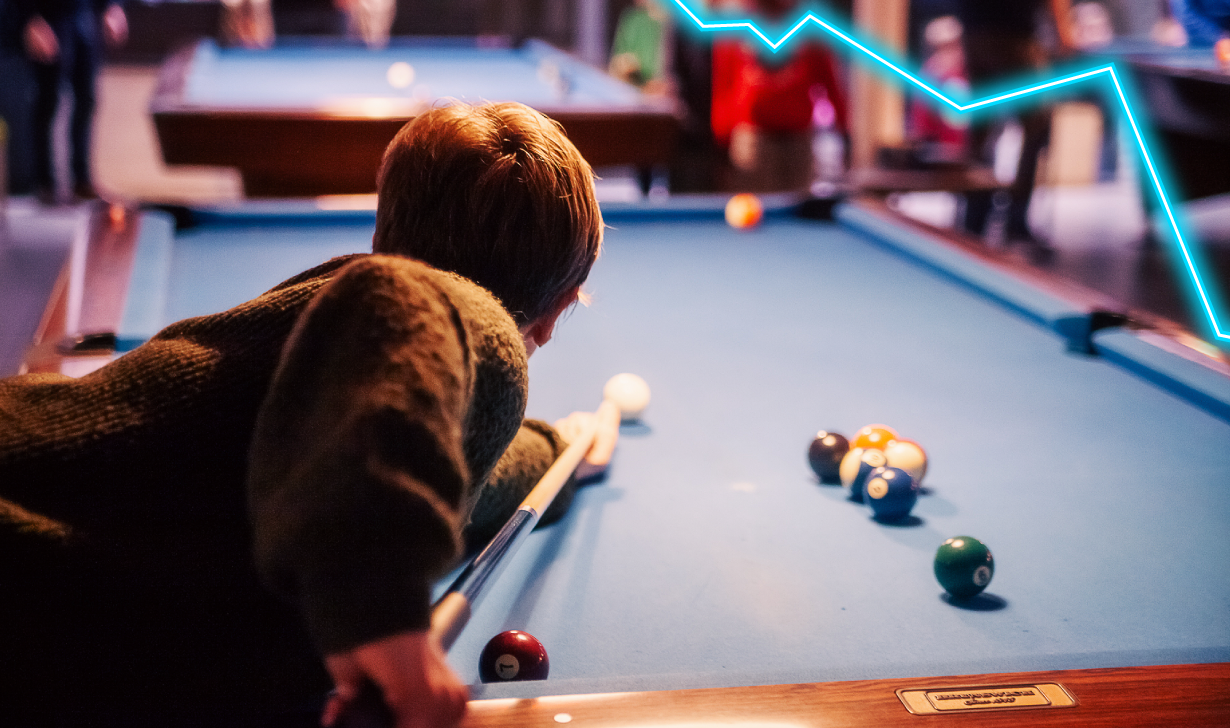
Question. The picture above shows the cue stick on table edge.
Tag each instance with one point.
(452, 612)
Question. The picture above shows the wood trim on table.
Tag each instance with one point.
(110, 247)
(1169, 695)
(1179, 337)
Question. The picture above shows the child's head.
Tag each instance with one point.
(495, 193)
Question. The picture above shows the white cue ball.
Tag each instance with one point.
(400, 75)
(630, 393)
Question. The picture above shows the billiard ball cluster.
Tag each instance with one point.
(878, 467)
(883, 470)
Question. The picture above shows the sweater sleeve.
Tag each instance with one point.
(533, 450)
(358, 477)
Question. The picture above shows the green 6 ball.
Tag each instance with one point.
(964, 566)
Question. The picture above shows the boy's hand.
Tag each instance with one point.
(599, 455)
(419, 689)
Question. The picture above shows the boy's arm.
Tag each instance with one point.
(357, 474)
(535, 448)
(416, 684)
(531, 452)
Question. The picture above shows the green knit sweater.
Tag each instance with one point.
(328, 441)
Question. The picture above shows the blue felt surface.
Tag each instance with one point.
(712, 557)
(251, 256)
(145, 308)
(305, 77)
(1144, 354)
(1066, 319)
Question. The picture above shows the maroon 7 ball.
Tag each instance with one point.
(825, 454)
(513, 655)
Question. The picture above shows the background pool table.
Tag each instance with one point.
(711, 577)
(313, 117)
(1185, 94)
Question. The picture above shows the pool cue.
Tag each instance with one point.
(451, 613)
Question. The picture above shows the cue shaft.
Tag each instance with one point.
(451, 613)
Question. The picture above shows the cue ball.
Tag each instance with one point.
(964, 566)
(513, 655)
(876, 436)
(825, 454)
(909, 456)
(744, 211)
(856, 466)
(891, 493)
(630, 393)
(400, 75)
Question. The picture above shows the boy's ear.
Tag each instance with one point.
(539, 331)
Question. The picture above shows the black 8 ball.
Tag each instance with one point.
(825, 454)
(513, 655)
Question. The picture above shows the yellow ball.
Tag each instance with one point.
(874, 436)
(744, 211)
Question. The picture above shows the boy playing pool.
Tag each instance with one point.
(372, 407)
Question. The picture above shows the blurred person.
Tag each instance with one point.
(16, 100)
(764, 104)
(1002, 40)
(1091, 26)
(1205, 21)
(641, 51)
(368, 20)
(64, 39)
(247, 23)
(945, 67)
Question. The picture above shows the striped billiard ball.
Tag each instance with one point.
(964, 566)
(856, 466)
(874, 436)
(891, 493)
(513, 655)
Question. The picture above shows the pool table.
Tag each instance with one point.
(711, 578)
(313, 117)
(1186, 100)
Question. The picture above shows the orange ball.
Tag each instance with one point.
(744, 211)
(116, 215)
(875, 437)
(1221, 50)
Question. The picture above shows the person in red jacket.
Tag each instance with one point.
(764, 103)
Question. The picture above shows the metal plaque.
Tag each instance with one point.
(930, 701)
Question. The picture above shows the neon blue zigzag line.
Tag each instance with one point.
(1092, 73)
